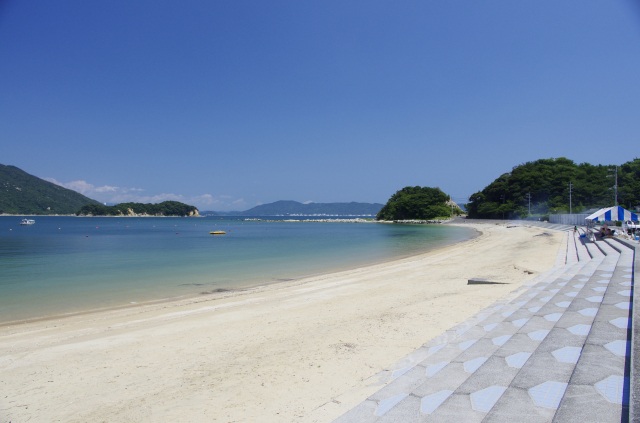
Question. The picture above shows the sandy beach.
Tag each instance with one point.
(279, 353)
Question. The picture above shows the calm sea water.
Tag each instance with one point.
(69, 264)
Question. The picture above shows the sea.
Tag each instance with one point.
(65, 264)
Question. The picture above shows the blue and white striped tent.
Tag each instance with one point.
(611, 214)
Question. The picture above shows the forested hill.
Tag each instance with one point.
(22, 193)
(166, 208)
(545, 184)
(287, 208)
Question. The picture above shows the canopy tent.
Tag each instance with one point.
(610, 214)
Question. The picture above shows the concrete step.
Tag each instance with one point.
(447, 361)
(572, 251)
(555, 351)
(474, 398)
(584, 254)
(537, 390)
(561, 259)
(594, 250)
(599, 387)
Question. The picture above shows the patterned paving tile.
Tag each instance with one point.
(595, 299)
(620, 322)
(517, 360)
(590, 312)
(436, 348)
(580, 329)
(433, 369)
(520, 322)
(387, 404)
(472, 365)
(618, 347)
(626, 305)
(500, 340)
(567, 354)
(430, 403)
(612, 389)
(467, 344)
(485, 399)
(399, 372)
(490, 327)
(538, 335)
(548, 394)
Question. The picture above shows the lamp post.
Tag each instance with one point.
(615, 188)
(570, 205)
(615, 185)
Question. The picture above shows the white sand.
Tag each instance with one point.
(293, 352)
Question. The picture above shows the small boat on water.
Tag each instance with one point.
(27, 222)
(217, 233)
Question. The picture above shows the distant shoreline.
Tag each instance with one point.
(75, 215)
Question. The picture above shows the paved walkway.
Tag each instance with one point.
(557, 350)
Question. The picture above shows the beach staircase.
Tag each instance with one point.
(557, 350)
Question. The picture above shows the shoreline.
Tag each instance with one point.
(219, 292)
(222, 292)
(277, 352)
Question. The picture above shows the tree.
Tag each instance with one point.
(166, 208)
(545, 183)
(416, 203)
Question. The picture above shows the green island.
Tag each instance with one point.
(418, 203)
(166, 208)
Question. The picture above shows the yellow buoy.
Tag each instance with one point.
(217, 232)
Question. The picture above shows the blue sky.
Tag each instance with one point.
(230, 104)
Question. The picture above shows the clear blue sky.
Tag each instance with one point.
(230, 104)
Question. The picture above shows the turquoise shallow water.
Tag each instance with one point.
(69, 264)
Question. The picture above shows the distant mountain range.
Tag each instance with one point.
(22, 193)
(294, 208)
